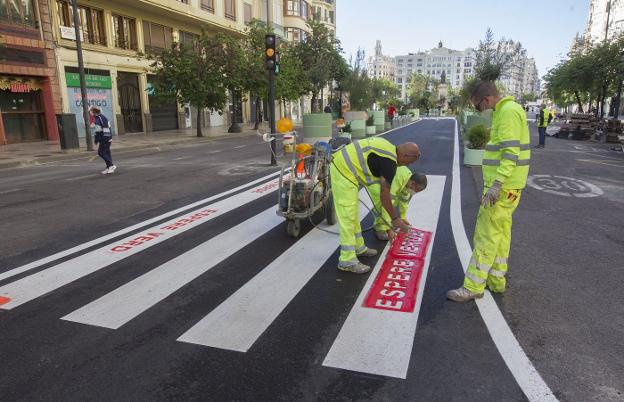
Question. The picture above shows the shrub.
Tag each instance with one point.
(478, 136)
(347, 128)
(370, 121)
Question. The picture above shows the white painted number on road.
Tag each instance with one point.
(564, 186)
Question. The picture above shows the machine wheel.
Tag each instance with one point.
(293, 228)
(330, 210)
(319, 214)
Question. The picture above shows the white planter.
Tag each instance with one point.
(371, 130)
(473, 157)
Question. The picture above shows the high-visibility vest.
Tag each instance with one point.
(398, 189)
(508, 153)
(545, 115)
(354, 158)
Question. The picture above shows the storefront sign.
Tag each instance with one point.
(92, 81)
(70, 33)
(20, 88)
(102, 98)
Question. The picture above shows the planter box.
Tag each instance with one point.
(358, 128)
(317, 126)
(355, 115)
(473, 157)
(371, 130)
(380, 117)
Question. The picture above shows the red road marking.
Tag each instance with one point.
(4, 300)
(396, 286)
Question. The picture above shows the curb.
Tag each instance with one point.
(84, 154)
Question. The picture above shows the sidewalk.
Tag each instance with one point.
(41, 152)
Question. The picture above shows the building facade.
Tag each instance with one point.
(115, 34)
(605, 21)
(457, 66)
(29, 87)
(380, 66)
(520, 76)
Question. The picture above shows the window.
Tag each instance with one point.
(156, 37)
(93, 30)
(230, 9)
(17, 12)
(188, 38)
(124, 32)
(248, 16)
(207, 5)
(399, 80)
(300, 8)
(331, 16)
(296, 34)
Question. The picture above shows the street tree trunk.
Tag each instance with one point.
(618, 101)
(199, 121)
(578, 101)
(257, 113)
(314, 105)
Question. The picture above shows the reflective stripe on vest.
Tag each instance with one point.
(361, 154)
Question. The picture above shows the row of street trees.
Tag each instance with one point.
(590, 75)
(204, 72)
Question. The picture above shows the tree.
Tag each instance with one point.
(321, 58)
(358, 84)
(196, 74)
(257, 80)
(384, 92)
(493, 58)
(291, 82)
(528, 97)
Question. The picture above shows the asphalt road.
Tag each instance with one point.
(563, 305)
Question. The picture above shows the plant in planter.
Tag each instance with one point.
(370, 125)
(478, 136)
(346, 131)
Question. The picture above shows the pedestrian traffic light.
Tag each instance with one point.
(277, 63)
(270, 53)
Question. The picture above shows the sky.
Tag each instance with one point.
(545, 28)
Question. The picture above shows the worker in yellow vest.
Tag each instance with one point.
(505, 171)
(364, 163)
(545, 117)
(405, 185)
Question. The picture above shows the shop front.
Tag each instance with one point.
(99, 93)
(22, 109)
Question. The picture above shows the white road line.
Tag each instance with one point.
(508, 346)
(87, 176)
(380, 341)
(241, 319)
(125, 303)
(13, 190)
(83, 246)
(240, 146)
(214, 152)
(396, 128)
(43, 282)
(599, 162)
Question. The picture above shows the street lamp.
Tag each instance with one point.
(81, 73)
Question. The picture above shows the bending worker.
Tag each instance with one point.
(505, 171)
(403, 188)
(365, 163)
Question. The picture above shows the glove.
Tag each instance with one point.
(398, 223)
(491, 196)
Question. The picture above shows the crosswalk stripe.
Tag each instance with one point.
(380, 341)
(47, 280)
(125, 303)
(241, 319)
(99, 240)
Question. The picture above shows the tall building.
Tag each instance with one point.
(521, 76)
(605, 21)
(380, 66)
(455, 64)
(115, 33)
(29, 89)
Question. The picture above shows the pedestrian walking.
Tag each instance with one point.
(364, 163)
(505, 170)
(103, 138)
(544, 118)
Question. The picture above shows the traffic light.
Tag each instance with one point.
(277, 63)
(270, 53)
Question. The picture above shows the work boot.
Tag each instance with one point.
(383, 236)
(462, 294)
(355, 267)
(369, 252)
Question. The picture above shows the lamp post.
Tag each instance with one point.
(81, 73)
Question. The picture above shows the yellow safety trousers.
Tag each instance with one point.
(492, 240)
